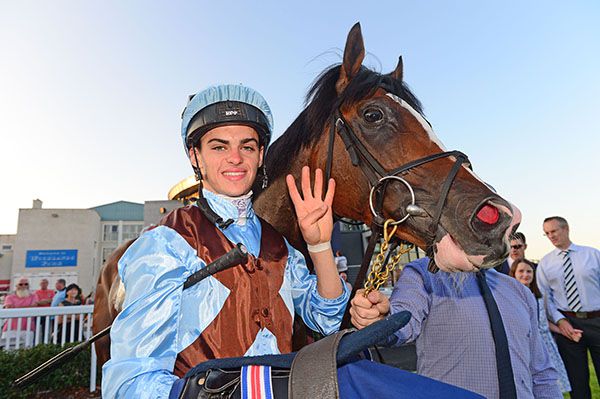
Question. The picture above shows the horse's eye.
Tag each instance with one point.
(373, 115)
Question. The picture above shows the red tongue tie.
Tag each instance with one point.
(488, 214)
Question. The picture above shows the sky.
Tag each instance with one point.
(91, 93)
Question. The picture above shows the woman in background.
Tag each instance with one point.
(524, 272)
(72, 298)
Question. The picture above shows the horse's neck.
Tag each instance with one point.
(275, 206)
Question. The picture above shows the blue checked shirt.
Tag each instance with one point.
(453, 336)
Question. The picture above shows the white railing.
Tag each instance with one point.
(27, 327)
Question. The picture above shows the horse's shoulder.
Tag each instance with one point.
(266, 226)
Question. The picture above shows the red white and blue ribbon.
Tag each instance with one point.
(256, 382)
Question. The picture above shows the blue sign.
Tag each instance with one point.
(51, 258)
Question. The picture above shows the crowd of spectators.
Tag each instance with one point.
(25, 297)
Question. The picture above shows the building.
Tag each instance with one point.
(72, 243)
(7, 242)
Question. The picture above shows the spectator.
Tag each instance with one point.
(44, 294)
(22, 298)
(452, 329)
(518, 245)
(60, 292)
(569, 277)
(72, 298)
(524, 272)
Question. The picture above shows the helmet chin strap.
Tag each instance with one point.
(265, 179)
(202, 202)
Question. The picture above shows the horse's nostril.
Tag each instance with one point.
(488, 214)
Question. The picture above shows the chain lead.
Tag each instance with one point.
(379, 272)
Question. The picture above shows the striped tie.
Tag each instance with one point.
(570, 284)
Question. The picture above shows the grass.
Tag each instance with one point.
(593, 380)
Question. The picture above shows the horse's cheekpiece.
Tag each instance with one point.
(327, 369)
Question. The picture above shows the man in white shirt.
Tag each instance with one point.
(569, 277)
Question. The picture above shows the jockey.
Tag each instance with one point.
(247, 310)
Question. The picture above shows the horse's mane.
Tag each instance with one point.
(321, 102)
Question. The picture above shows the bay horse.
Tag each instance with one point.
(363, 127)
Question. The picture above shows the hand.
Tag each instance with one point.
(315, 216)
(568, 331)
(577, 334)
(367, 310)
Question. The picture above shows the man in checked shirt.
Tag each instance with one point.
(451, 328)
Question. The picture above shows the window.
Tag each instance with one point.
(131, 231)
(111, 232)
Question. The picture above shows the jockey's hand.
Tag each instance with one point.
(314, 213)
(367, 310)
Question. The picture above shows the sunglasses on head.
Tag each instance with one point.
(519, 246)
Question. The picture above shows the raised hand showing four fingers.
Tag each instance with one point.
(314, 213)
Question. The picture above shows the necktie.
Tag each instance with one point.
(506, 381)
(570, 284)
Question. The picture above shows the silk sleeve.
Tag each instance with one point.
(144, 336)
(320, 314)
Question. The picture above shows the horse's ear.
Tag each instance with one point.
(354, 53)
(398, 72)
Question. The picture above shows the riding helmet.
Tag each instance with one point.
(222, 105)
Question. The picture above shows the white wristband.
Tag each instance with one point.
(324, 246)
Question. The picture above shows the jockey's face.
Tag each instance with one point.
(229, 158)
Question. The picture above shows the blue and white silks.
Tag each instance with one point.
(159, 319)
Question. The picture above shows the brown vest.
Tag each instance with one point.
(253, 302)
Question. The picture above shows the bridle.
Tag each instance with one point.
(379, 178)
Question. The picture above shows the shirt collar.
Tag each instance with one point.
(237, 208)
(572, 248)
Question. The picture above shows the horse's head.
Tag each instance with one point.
(372, 126)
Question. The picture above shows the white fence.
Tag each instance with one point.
(27, 327)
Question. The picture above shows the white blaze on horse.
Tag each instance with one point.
(368, 131)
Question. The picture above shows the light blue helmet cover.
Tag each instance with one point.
(225, 92)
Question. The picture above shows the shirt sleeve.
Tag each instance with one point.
(543, 374)
(553, 314)
(144, 337)
(320, 314)
(410, 293)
